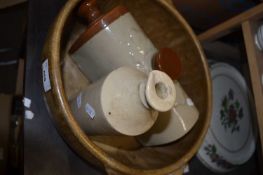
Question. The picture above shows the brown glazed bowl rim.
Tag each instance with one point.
(59, 97)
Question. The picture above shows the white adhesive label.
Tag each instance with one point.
(186, 169)
(189, 102)
(89, 109)
(27, 102)
(79, 98)
(45, 74)
(29, 114)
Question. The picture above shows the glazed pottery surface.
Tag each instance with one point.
(173, 124)
(117, 105)
(121, 43)
(230, 140)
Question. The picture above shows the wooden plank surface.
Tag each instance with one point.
(5, 121)
(20, 77)
(227, 26)
(255, 62)
(8, 3)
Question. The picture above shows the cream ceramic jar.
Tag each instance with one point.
(111, 41)
(126, 101)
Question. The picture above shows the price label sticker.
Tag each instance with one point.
(79, 100)
(91, 112)
(45, 74)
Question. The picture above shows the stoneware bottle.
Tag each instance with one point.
(110, 41)
(173, 124)
(126, 101)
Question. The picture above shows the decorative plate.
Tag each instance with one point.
(229, 141)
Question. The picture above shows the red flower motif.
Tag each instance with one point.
(232, 113)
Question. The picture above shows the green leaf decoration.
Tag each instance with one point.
(225, 109)
(237, 104)
(222, 114)
(240, 113)
(224, 102)
(213, 148)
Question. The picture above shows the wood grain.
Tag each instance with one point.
(8, 3)
(255, 62)
(228, 26)
(20, 77)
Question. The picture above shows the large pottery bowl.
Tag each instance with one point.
(166, 28)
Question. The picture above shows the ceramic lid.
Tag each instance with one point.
(167, 61)
(89, 11)
(230, 139)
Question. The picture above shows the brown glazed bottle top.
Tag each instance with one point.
(88, 10)
(167, 61)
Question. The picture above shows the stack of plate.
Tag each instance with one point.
(229, 141)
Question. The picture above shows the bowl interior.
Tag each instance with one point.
(164, 30)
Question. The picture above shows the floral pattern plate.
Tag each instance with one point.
(229, 141)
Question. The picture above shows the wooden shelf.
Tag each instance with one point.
(255, 62)
(229, 25)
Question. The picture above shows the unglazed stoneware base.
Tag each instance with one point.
(165, 28)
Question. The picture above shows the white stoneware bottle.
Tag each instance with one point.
(126, 101)
(173, 124)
